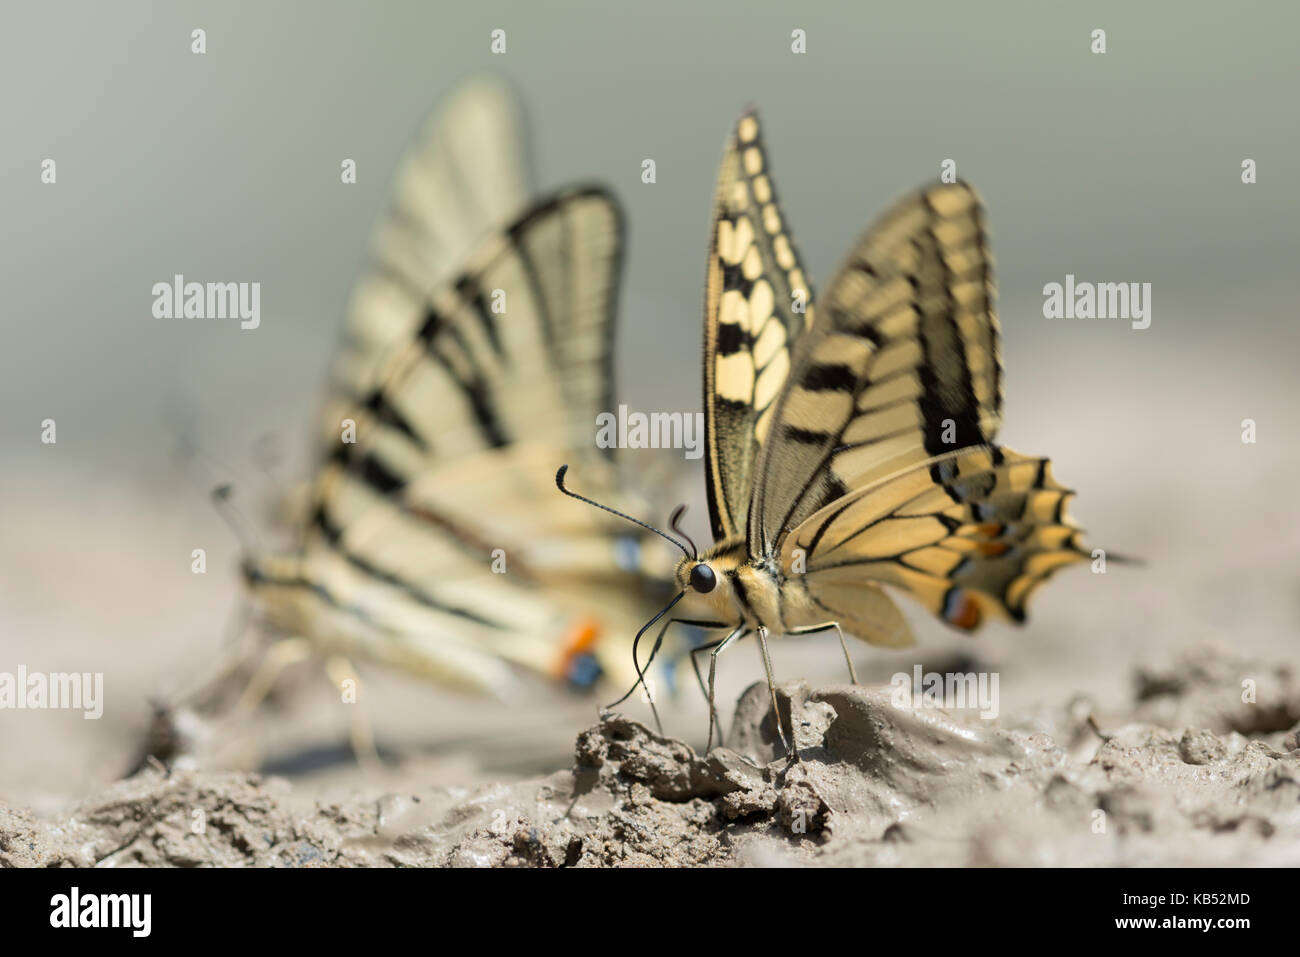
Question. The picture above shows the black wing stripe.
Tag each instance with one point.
(335, 537)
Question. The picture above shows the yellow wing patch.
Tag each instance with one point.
(757, 301)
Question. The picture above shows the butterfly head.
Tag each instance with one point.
(707, 582)
(694, 574)
(705, 588)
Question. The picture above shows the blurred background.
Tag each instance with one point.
(1122, 167)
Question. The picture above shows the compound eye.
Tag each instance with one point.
(703, 579)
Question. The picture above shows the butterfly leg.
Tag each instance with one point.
(699, 680)
(641, 672)
(279, 656)
(698, 623)
(790, 749)
(647, 687)
(813, 629)
(193, 692)
(718, 649)
(361, 735)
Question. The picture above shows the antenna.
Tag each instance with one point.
(234, 518)
(673, 519)
(559, 483)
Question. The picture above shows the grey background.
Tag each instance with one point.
(1122, 167)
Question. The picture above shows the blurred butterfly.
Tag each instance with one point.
(478, 350)
(850, 446)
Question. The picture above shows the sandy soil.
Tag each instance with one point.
(1185, 773)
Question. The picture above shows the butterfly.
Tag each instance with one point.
(850, 443)
(478, 349)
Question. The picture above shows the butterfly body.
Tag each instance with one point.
(758, 593)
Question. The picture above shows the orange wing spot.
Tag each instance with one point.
(992, 549)
(989, 529)
(580, 638)
(961, 609)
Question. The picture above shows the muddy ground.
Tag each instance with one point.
(1187, 773)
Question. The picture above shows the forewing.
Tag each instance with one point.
(438, 493)
(754, 288)
(465, 177)
(515, 349)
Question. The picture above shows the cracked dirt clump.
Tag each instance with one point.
(1170, 781)
(1209, 687)
(183, 820)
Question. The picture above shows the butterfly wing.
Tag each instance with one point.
(444, 489)
(900, 364)
(880, 467)
(478, 352)
(750, 320)
(970, 535)
(516, 347)
(465, 177)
